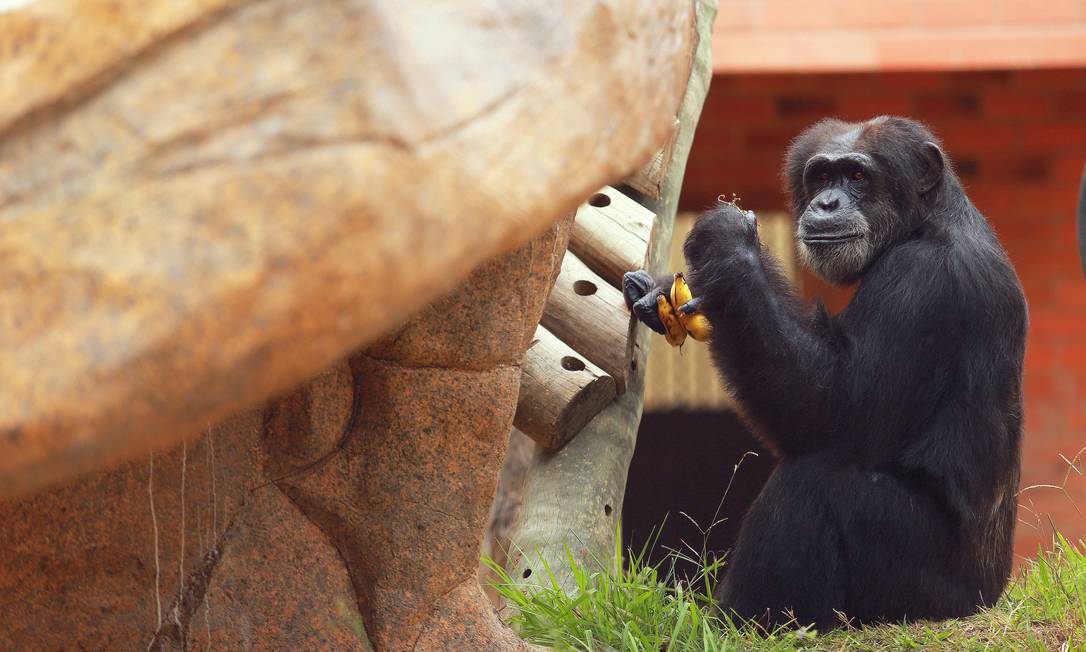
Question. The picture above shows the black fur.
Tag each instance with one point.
(897, 423)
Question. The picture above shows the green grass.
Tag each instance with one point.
(635, 608)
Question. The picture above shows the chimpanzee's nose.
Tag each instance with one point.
(827, 203)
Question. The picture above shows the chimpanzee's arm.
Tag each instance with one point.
(779, 362)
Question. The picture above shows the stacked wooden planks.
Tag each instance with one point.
(582, 351)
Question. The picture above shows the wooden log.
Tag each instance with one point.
(611, 234)
(560, 391)
(649, 180)
(589, 315)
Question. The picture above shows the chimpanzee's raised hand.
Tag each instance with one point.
(722, 235)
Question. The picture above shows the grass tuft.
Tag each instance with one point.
(632, 607)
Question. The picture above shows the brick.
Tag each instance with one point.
(1054, 137)
(948, 105)
(1022, 169)
(1068, 169)
(1010, 205)
(974, 136)
(1058, 326)
(1050, 12)
(804, 16)
(766, 82)
(791, 51)
(1016, 105)
(1064, 231)
(812, 107)
(968, 168)
(746, 108)
(717, 138)
(859, 106)
(982, 80)
(734, 15)
(908, 51)
(1071, 104)
(1040, 356)
(1073, 354)
(1052, 50)
(1037, 383)
(861, 14)
(940, 13)
(915, 81)
(1049, 79)
(1071, 293)
(770, 138)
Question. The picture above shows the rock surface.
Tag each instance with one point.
(96, 564)
(406, 498)
(203, 204)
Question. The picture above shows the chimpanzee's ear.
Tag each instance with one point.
(934, 163)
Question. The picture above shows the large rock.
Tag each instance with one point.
(204, 203)
(191, 545)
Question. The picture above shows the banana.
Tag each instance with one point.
(680, 291)
(696, 325)
(675, 334)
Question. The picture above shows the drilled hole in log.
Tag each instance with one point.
(569, 363)
(599, 200)
(527, 573)
(584, 288)
(607, 510)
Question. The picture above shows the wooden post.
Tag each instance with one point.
(574, 497)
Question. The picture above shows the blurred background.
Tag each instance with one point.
(1003, 84)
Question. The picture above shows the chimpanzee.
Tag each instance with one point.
(896, 423)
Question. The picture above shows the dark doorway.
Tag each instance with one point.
(683, 463)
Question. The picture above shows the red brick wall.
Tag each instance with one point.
(853, 35)
(1018, 140)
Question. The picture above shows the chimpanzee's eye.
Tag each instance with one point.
(858, 175)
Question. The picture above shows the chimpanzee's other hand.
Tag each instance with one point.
(640, 290)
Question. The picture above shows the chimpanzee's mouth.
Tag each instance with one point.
(830, 238)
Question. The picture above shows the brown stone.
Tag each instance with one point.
(311, 421)
(92, 563)
(407, 497)
(204, 204)
(279, 585)
(78, 562)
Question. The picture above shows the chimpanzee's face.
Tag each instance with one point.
(859, 188)
(835, 236)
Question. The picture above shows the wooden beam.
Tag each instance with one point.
(590, 315)
(560, 391)
(611, 234)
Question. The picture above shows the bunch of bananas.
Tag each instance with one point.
(677, 323)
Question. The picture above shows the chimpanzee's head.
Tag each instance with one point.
(859, 188)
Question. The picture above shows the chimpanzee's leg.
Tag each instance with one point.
(872, 544)
(788, 556)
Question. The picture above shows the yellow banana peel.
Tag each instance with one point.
(677, 323)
